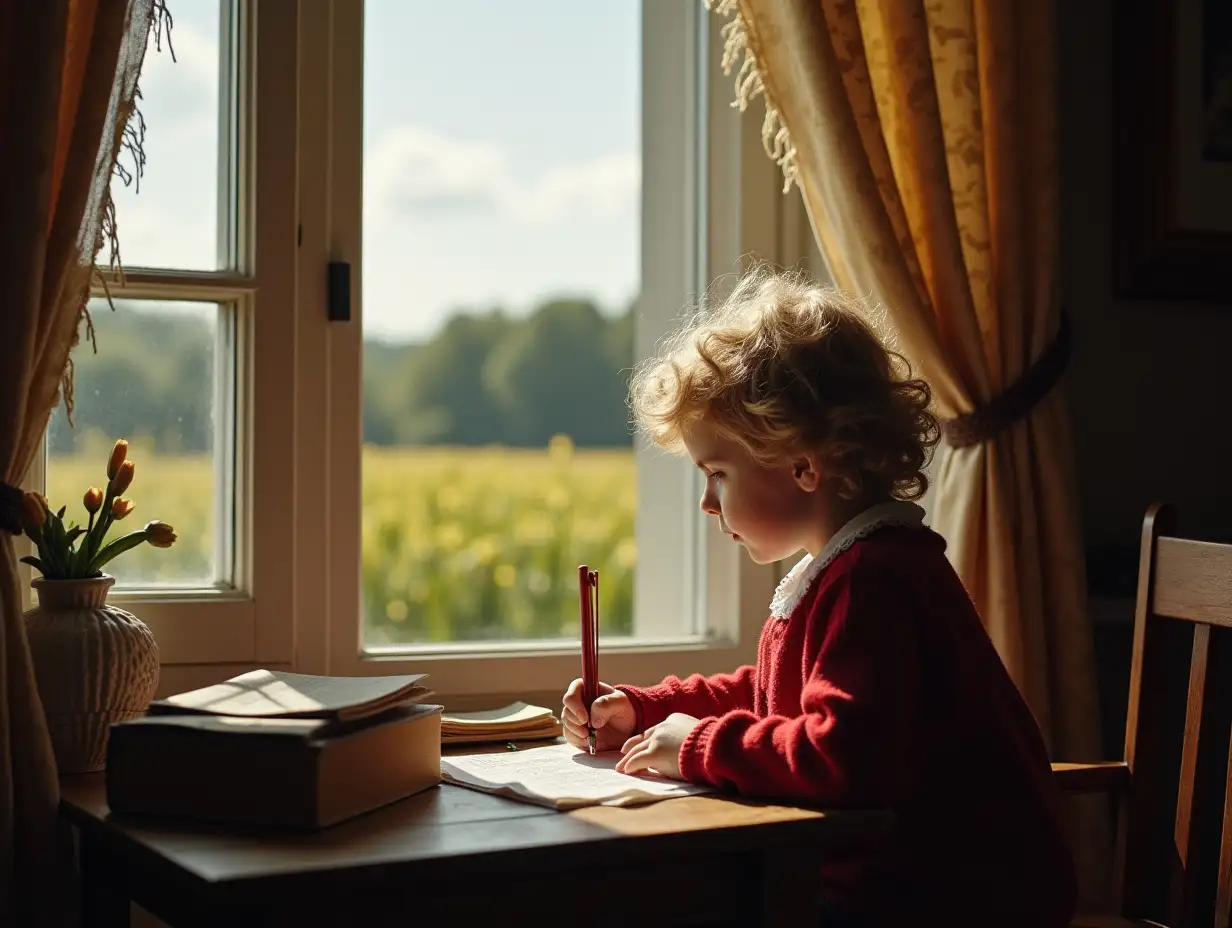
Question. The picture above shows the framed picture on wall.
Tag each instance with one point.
(1172, 149)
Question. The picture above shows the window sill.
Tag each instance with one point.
(542, 647)
(455, 674)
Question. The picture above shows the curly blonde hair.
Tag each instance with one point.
(784, 364)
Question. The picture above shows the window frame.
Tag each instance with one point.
(740, 189)
(248, 620)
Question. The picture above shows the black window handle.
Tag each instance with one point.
(338, 297)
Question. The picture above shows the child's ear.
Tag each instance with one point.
(806, 472)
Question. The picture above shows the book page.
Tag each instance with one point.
(280, 694)
(515, 714)
(560, 777)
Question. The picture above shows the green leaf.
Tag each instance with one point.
(116, 548)
(79, 560)
(99, 533)
(54, 548)
(53, 569)
(60, 514)
(35, 563)
(59, 546)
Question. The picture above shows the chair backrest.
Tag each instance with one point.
(1174, 835)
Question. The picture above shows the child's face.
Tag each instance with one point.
(769, 510)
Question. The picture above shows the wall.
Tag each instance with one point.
(1142, 385)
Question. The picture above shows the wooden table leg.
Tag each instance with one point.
(105, 902)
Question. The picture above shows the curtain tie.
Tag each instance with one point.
(10, 509)
(1017, 400)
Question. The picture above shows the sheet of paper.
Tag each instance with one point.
(518, 713)
(560, 777)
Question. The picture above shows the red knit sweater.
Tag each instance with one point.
(882, 689)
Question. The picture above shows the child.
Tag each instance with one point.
(876, 685)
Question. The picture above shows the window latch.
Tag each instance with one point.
(338, 291)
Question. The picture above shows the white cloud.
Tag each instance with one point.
(417, 173)
(167, 217)
(416, 170)
(604, 187)
(183, 92)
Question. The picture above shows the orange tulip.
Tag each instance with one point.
(93, 500)
(160, 534)
(118, 454)
(120, 508)
(123, 477)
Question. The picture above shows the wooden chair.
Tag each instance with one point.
(1173, 852)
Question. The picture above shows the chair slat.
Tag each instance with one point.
(1223, 891)
(1193, 581)
(1181, 896)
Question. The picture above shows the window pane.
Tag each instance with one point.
(152, 382)
(169, 217)
(501, 264)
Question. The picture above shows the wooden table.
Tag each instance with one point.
(468, 858)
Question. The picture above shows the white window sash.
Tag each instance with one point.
(247, 621)
(712, 574)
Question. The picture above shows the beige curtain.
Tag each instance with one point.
(68, 72)
(923, 135)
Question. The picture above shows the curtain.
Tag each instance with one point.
(68, 77)
(923, 137)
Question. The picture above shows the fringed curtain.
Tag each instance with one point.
(68, 77)
(923, 136)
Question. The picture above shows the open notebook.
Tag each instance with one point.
(515, 722)
(560, 776)
(278, 694)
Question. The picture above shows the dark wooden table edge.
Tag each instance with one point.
(169, 889)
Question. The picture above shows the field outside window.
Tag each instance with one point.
(502, 231)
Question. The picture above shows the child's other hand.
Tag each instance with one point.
(658, 747)
(613, 713)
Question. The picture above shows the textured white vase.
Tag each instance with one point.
(95, 665)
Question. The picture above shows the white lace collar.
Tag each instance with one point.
(798, 580)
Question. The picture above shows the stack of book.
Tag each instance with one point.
(270, 748)
(515, 722)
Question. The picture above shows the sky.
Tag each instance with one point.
(502, 156)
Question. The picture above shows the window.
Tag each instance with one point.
(496, 448)
(410, 489)
(164, 382)
(525, 208)
(204, 294)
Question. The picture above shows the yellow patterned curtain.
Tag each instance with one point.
(923, 136)
(68, 74)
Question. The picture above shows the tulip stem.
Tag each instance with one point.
(116, 548)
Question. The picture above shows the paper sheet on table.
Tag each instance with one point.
(560, 777)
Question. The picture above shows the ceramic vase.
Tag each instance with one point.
(95, 665)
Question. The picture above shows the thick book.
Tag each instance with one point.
(278, 772)
(517, 721)
(277, 694)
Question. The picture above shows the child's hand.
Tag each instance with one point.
(612, 712)
(658, 747)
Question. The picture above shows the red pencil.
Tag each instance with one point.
(588, 594)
